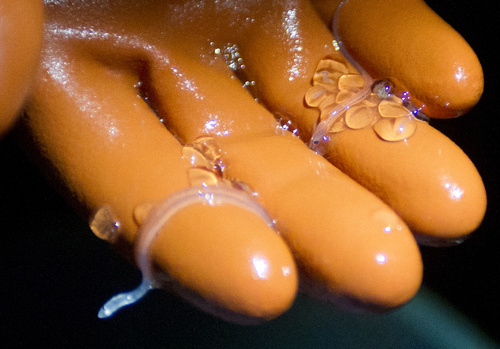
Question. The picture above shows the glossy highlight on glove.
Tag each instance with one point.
(158, 216)
(343, 101)
(348, 97)
(408, 42)
(208, 187)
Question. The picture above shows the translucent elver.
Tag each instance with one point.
(158, 216)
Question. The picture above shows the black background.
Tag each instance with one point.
(469, 274)
(56, 274)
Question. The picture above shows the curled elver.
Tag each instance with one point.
(156, 219)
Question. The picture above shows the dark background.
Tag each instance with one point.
(56, 274)
(469, 275)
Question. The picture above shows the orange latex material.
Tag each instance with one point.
(230, 259)
(109, 148)
(410, 44)
(344, 239)
(423, 166)
(427, 179)
(20, 39)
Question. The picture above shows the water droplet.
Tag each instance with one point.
(343, 96)
(202, 177)
(141, 212)
(232, 57)
(315, 95)
(104, 224)
(326, 77)
(195, 157)
(395, 129)
(248, 84)
(351, 82)
(332, 65)
(359, 117)
(208, 147)
(336, 45)
(390, 108)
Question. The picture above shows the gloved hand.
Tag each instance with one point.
(182, 130)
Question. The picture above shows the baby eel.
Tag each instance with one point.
(379, 140)
(408, 43)
(112, 150)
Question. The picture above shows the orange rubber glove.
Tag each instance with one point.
(137, 102)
